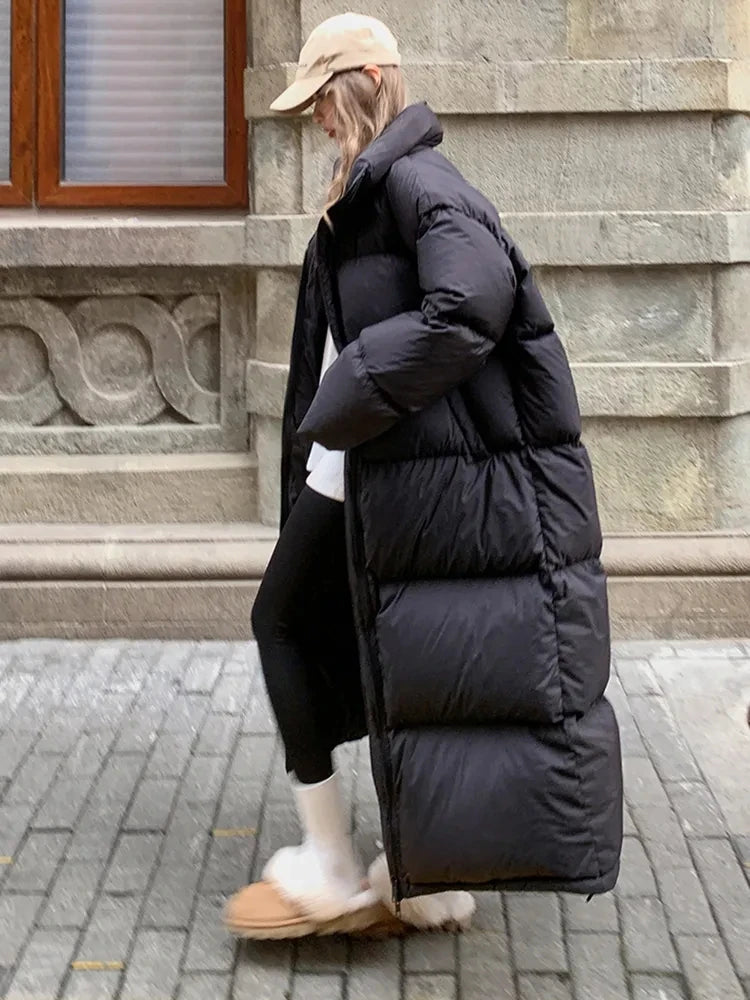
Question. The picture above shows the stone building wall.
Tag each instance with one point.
(143, 358)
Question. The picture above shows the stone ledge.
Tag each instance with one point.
(612, 389)
(551, 87)
(551, 239)
(134, 552)
(240, 551)
(125, 489)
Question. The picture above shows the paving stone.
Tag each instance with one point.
(44, 965)
(648, 947)
(258, 717)
(32, 780)
(490, 914)
(253, 758)
(696, 809)
(63, 805)
(17, 915)
(218, 735)
(72, 894)
(37, 862)
(170, 756)
(536, 933)
(541, 987)
(729, 894)
(485, 966)
(186, 714)
(642, 649)
(667, 747)
(430, 953)
(264, 971)
(662, 836)
(172, 897)
(205, 986)
(95, 835)
(240, 806)
(153, 969)
(416, 987)
(596, 967)
(201, 674)
(92, 985)
(188, 834)
(231, 694)
(630, 738)
(642, 785)
(13, 748)
(210, 949)
(88, 755)
(636, 877)
(108, 712)
(375, 971)
(133, 861)
(229, 864)
(597, 914)
(685, 902)
(110, 930)
(152, 805)
(707, 968)
(637, 677)
(13, 823)
(657, 988)
(63, 734)
(203, 779)
(321, 955)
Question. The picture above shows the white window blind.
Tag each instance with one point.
(5, 90)
(144, 91)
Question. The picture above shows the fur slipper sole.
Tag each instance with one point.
(259, 912)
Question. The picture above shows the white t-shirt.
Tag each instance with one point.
(326, 467)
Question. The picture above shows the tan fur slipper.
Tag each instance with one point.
(261, 913)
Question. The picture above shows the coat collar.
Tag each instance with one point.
(417, 126)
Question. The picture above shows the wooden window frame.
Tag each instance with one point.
(52, 191)
(19, 190)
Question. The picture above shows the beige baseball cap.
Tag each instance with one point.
(346, 41)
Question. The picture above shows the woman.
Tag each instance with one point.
(437, 581)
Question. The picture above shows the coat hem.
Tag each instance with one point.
(585, 886)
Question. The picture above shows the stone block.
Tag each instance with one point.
(198, 987)
(170, 902)
(275, 31)
(35, 867)
(536, 933)
(540, 987)
(729, 894)
(132, 863)
(268, 447)
(318, 156)
(596, 85)
(276, 298)
(648, 947)
(733, 461)
(707, 968)
(657, 988)
(639, 28)
(679, 608)
(416, 987)
(575, 163)
(731, 29)
(326, 955)
(110, 931)
(631, 314)
(152, 805)
(155, 965)
(209, 949)
(685, 84)
(653, 475)
(17, 915)
(731, 134)
(277, 167)
(457, 88)
(430, 953)
(44, 966)
(685, 902)
(415, 25)
(266, 388)
(731, 299)
(597, 914)
(596, 966)
(497, 31)
(128, 489)
(72, 894)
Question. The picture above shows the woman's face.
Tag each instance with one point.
(324, 115)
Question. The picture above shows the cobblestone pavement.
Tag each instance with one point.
(140, 783)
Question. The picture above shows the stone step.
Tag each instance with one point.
(128, 489)
(200, 581)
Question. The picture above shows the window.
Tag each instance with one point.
(138, 103)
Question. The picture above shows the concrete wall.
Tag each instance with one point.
(614, 137)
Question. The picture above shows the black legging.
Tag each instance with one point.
(306, 578)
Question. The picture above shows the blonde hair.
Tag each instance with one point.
(363, 109)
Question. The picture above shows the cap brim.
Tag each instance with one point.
(300, 94)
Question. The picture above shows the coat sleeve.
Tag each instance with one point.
(407, 362)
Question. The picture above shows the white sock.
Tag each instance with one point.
(323, 875)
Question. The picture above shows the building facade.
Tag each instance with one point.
(154, 220)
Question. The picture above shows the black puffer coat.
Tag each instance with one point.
(473, 535)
